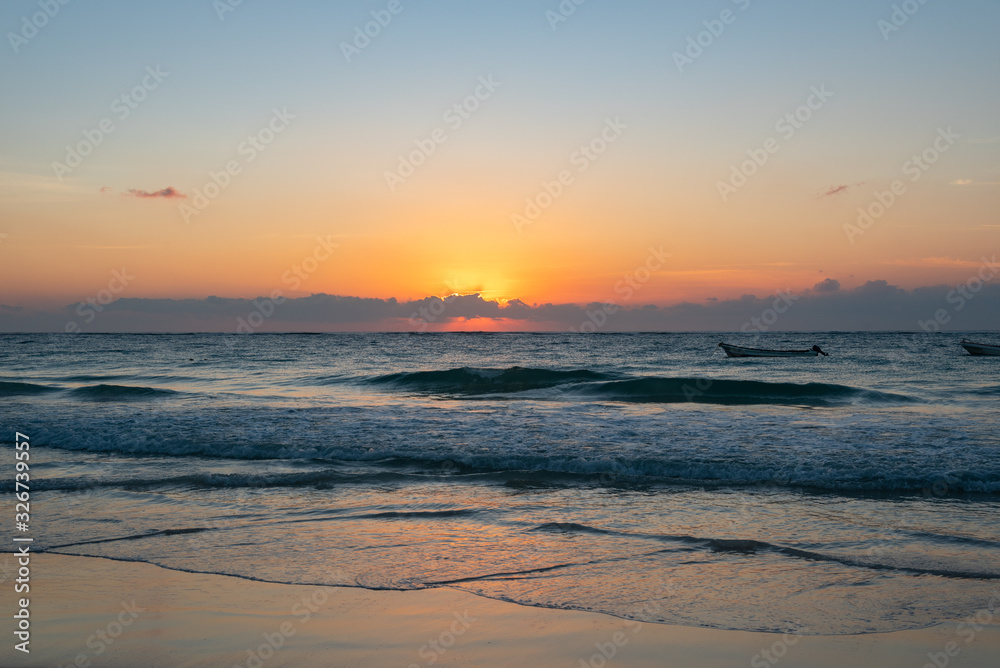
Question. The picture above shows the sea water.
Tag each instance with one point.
(645, 476)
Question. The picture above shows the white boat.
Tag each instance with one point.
(981, 349)
(740, 351)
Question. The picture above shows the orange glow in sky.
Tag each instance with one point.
(541, 166)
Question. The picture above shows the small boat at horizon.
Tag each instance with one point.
(740, 351)
(981, 349)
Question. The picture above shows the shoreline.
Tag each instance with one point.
(92, 611)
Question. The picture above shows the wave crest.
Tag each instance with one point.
(14, 389)
(486, 381)
(737, 392)
(119, 393)
(584, 384)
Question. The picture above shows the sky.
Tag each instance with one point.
(225, 165)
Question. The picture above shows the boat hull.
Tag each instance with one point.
(981, 349)
(739, 351)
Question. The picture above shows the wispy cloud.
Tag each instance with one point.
(21, 188)
(973, 182)
(116, 247)
(936, 262)
(835, 190)
(167, 193)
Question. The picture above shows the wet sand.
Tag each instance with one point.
(96, 612)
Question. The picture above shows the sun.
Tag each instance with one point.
(466, 283)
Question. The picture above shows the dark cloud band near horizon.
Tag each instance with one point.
(876, 305)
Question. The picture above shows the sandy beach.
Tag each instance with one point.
(97, 612)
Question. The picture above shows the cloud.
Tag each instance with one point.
(876, 305)
(106, 189)
(833, 191)
(938, 262)
(16, 187)
(114, 248)
(973, 182)
(827, 286)
(168, 193)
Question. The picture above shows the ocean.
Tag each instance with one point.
(644, 476)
